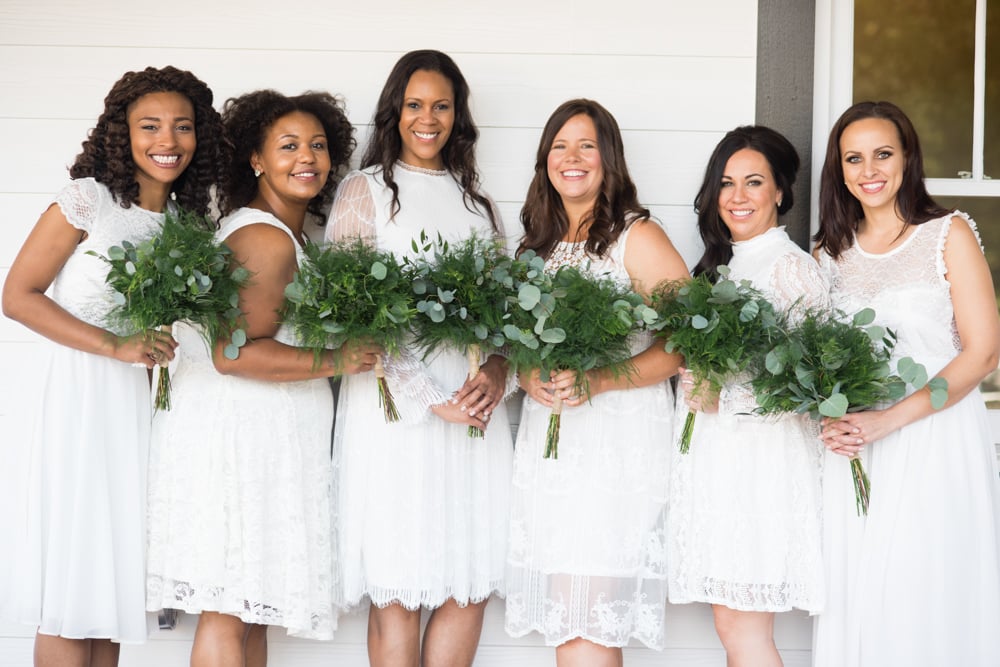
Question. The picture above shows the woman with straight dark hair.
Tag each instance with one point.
(587, 560)
(916, 582)
(745, 501)
(421, 506)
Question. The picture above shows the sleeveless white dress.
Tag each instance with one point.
(917, 581)
(421, 506)
(79, 543)
(588, 551)
(240, 490)
(745, 501)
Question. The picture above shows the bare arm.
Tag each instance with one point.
(269, 254)
(39, 261)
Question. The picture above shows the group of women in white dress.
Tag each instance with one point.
(249, 518)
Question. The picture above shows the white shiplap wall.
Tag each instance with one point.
(676, 74)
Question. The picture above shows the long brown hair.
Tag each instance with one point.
(543, 215)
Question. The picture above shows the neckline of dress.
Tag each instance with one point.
(771, 234)
(891, 251)
(420, 170)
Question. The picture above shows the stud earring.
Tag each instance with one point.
(257, 173)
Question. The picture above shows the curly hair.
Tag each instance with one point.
(247, 119)
(784, 161)
(458, 154)
(543, 215)
(106, 155)
(840, 212)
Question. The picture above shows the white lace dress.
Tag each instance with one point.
(745, 501)
(240, 490)
(587, 551)
(78, 557)
(421, 506)
(917, 581)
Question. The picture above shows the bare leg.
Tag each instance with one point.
(53, 651)
(452, 634)
(218, 641)
(104, 653)
(255, 646)
(586, 653)
(748, 637)
(393, 636)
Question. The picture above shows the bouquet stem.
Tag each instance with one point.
(861, 486)
(552, 434)
(162, 399)
(385, 400)
(472, 355)
(687, 431)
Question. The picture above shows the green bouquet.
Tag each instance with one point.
(599, 315)
(827, 367)
(351, 291)
(718, 327)
(463, 297)
(180, 274)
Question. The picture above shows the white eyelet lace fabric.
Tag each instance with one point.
(240, 491)
(588, 530)
(745, 515)
(421, 507)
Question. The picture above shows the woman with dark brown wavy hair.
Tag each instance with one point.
(422, 508)
(79, 568)
(587, 560)
(916, 581)
(239, 473)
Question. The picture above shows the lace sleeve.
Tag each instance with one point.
(798, 285)
(412, 387)
(78, 202)
(942, 268)
(353, 211)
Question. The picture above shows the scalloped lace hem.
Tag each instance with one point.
(414, 600)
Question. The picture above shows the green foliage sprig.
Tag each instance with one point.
(575, 322)
(826, 367)
(351, 291)
(180, 274)
(463, 290)
(719, 328)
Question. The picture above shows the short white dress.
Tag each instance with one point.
(79, 545)
(421, 507)
(240, 490)
(745, 501)
(917, 581)
(588, 550)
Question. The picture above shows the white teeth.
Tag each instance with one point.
(165, 159)
(742, 213)
(425, 135)
(574, 173)
(872, 187)
(306, 173)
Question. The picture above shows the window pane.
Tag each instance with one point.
(991, 158)
(919, 54)
(986, 212)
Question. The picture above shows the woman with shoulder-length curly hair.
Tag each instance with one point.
(79, 563)
(422, 508)
(917, 580)
(239, 475)
(587, 561)
(745, 500)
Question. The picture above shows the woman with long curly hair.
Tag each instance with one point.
(422, 508)
(79, 566)
(587, 560)
(240, 477)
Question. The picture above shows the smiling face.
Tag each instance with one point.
(162, 137)
(294, 158)
(748, 195)
(426, 119)
(574, 163)
(873, 161)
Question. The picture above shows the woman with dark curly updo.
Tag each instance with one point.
(422, 508)
(240, 478)
(79, 565)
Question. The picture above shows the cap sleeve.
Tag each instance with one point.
(79, 203)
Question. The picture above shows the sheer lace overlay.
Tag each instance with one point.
(588, 530)
(421, 508)
(240, 490)
(745, 501)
